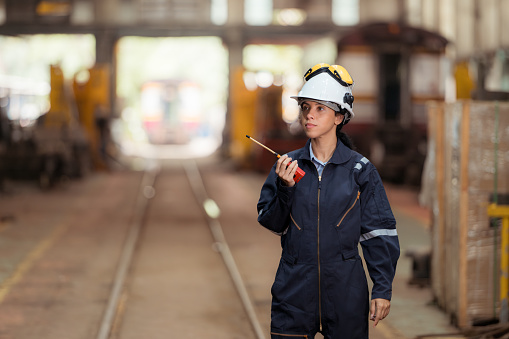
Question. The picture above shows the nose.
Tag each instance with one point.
(310, 114)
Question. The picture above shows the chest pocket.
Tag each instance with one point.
(349, 209)
(295, 223)
(292, 238)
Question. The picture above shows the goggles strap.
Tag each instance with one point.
(310, 74)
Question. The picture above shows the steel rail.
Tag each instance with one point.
(146, 192)
(200, 192)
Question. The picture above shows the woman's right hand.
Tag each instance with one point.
(285, 169)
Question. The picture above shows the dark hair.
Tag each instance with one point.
(345, 139)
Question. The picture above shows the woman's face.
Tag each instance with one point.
(319, 120)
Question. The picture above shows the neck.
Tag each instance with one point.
(323, 148)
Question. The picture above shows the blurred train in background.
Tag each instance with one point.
(172, 112)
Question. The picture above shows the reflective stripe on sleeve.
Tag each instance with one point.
(377, 233)
(358, 166)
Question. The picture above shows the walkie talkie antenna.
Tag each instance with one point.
(299, 173)
(268, 149)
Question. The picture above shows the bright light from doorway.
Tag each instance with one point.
(25, 70)
(219, 12)
(258, 12)
(345, 12)
(278, 65)
(290, 16)
(264, 79)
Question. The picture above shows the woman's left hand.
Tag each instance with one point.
(379, 310)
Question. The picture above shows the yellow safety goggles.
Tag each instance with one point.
(337, 72)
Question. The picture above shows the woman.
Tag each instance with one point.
(320, 284)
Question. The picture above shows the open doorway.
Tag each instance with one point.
(171, 95)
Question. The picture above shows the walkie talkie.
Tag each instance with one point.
(298, 174)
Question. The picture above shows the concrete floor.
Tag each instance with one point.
(59, 251)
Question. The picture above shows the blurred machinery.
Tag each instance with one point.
(258, 113)
(242, 117)
(92, 99)
(66, 141)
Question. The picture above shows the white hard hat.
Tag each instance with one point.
(329, 83)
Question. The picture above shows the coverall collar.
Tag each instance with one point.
(341, 155)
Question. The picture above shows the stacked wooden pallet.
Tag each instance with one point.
(468, 162)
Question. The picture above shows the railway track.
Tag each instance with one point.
(146, 192)
(118, 301)
(211, 210)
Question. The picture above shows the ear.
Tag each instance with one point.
(339, 119)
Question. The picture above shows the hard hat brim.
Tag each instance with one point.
(343, 105)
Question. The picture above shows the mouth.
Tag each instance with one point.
(309, 125)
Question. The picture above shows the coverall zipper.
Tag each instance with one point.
(348, 210)
(319, 274)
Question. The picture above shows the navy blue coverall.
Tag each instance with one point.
(320, 284)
